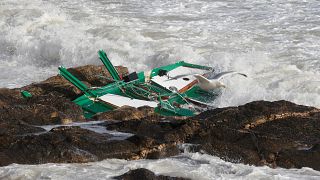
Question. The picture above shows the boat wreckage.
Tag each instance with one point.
(179, 89)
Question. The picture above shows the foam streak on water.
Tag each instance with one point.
(95, 126)
(192, 165)
(275, 42)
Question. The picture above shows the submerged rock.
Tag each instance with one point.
(145, 174)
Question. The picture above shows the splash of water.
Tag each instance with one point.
(275, 42)
(189, 165)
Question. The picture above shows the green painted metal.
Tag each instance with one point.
(26, 94)
(196, 66)
(169, 103)
(75, 81)
(107, 63)
(91, 106)
(171, 67)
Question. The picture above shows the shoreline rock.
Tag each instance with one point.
(277, 134)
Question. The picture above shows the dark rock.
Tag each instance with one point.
(90, 75)
(125, 113)
(96, 75)
(41, 110)
(262, 133)
(8, 96)
(258, 133)
(18, 128)
(74, 144)
(145, 174)
(277, 133)
(161, 131)
(55, 85)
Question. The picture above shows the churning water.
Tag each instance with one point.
(275, 42)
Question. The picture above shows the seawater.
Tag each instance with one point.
(275, 42)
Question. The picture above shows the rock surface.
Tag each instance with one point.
(263, 133)
(125, 113)
(145, 174)
(276, 134)
(38, 110)
(260, 133)
(74, 144)
(51, 101)
(92, 76)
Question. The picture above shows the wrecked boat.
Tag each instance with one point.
(172, 90)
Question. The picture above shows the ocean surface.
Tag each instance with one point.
(275, 42)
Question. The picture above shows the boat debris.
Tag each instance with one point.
(172, 90)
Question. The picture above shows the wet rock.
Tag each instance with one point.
(18, 129)
(9, 96)
(277, 133)
(74, 144)
(257, 113)
(96, 75)
(145, 174)
(162, 131)
(90, 75)
(125, 113)
(55, 85)
(41, 110)
(262, 133)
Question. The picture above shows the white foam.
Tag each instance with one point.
(275, 42)
(192, 165)
(261, 39)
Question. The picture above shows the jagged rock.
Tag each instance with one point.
(262, 133)
(74, 144)
(159, 130)
(145, 174)
(277, 133)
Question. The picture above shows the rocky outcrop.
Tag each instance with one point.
(125, 113)
(18, 128)
(92, 76)
(145, 174)
(38, 110)
(96, 75)
(260, 133)
(74, 144)
(276, 134)
(51, 100)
